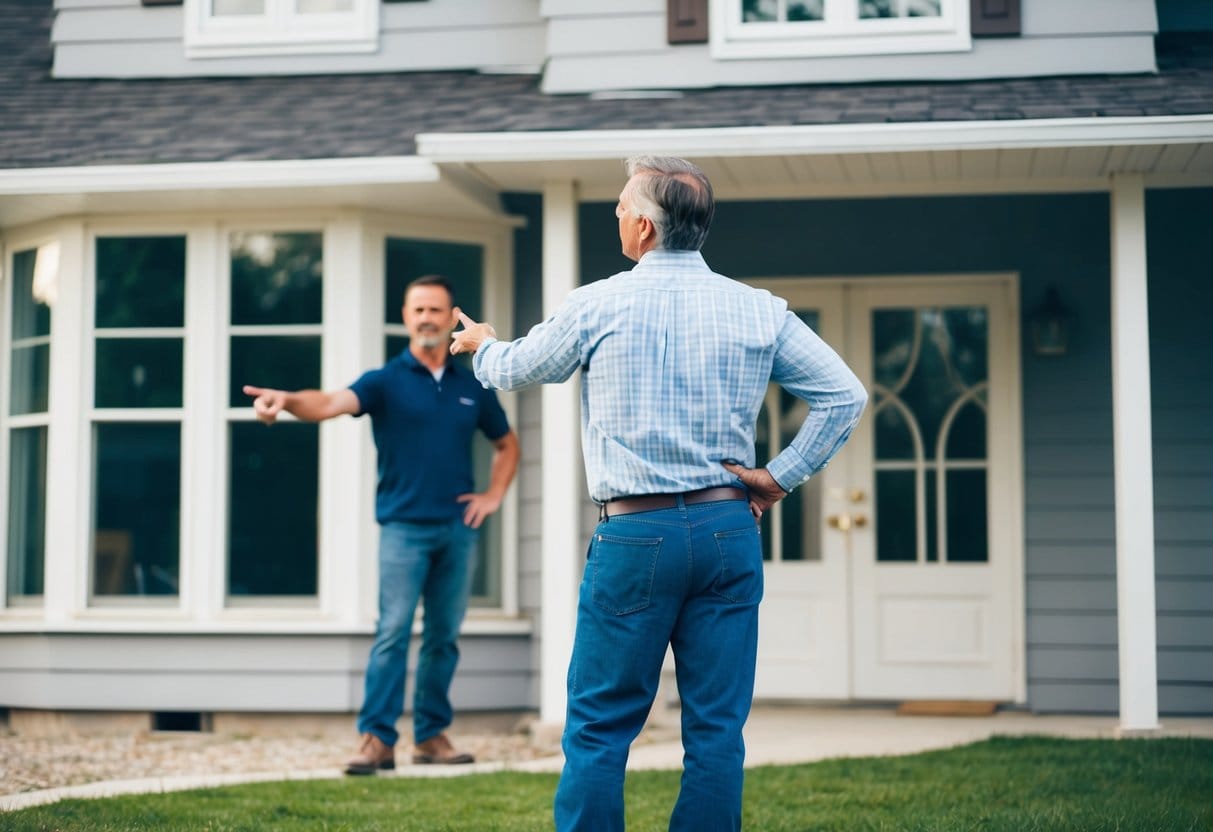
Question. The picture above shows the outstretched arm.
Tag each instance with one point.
(505, 464)
(308, 405)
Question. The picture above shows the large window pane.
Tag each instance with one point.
(31, 312)
(139, 372)
(287, 362)
(460, 263)
(463, 265)
(29, 388)
(276, 278)
(896, 513)
(968, 532)
(272, 537)
(29, 366)
(26, 511)
(136, 508)
(140, 282)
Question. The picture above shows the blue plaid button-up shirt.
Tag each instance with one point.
(675, 364)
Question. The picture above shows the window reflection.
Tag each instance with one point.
(931, 368)
(26, 511)
(136, 508)
(463, 265)
(273, 485)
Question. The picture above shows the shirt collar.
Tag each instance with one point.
(412, 363)
(661, 257)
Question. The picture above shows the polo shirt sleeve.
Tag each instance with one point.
(369, 390)
(493, 422)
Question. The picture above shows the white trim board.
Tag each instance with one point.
(816, 139)
(290, 174)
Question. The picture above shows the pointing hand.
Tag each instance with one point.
(471, 336)
(267, 403)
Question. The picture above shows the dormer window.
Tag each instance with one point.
(811, 28)
(234, 28)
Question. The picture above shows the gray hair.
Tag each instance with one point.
(677, 198)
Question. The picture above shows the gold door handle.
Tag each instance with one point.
(846, 522)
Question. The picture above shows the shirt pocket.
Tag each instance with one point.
(740, 579)
(623, 570)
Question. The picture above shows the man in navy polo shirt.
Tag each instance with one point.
(424, 411)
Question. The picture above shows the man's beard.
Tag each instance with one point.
(430, 340)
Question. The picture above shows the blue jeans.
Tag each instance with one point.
(430, 561)
(690, 577)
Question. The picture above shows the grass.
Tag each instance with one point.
(1017, 785)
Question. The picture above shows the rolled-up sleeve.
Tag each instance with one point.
(548, 353)
(810, 370)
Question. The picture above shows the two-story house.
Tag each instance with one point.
(998, 211)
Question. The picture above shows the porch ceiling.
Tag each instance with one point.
(854, 160)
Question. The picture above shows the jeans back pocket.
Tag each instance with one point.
(740, 579)
(623, 570)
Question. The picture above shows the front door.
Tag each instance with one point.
(895, 573)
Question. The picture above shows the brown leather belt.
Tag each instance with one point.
(652, 502)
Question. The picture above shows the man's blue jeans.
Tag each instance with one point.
(690, 577)
(433, 562)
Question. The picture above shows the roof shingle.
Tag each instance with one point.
(48, 122)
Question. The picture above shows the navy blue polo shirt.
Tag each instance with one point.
(423, 430)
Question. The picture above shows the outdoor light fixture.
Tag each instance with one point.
(1050, 325)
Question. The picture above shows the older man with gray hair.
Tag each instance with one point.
(675, 363)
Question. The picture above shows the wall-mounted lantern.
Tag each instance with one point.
(1050, 325)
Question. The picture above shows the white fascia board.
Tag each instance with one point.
(287, 174)
(815, 139)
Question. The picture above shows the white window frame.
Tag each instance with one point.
(496, 241)
(9, 422)
(841, 33)
(279, 31)
(94, 415)
(233, 415)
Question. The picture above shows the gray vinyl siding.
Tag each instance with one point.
(528, 311)
(122, 39)
(295, 673)
(602, 44)
(1180, 262)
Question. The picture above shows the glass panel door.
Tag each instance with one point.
(936, 575)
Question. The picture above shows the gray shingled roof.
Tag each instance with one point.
(46, 122)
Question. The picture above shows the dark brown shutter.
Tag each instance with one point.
(994, 18)
(687, 21)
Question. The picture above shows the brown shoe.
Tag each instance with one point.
(373, 755)
(438, 751)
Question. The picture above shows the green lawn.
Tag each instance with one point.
(1017, 785)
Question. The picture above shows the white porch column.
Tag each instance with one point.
(68, 451)
(353, 311)
(1134, 466)
(561, 488)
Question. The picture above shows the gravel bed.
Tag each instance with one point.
(33, 763)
